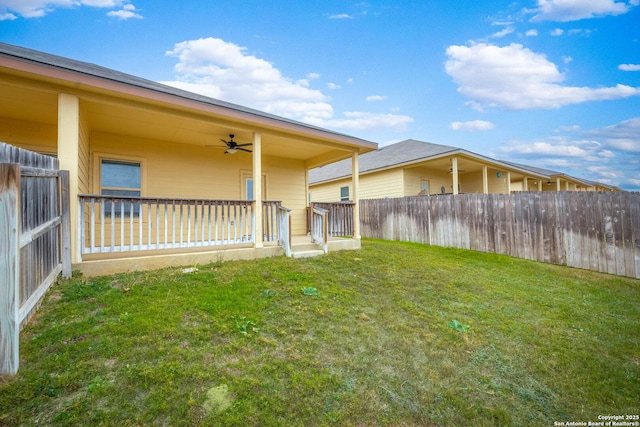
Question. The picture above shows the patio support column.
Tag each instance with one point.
(540, 184)
(558, 184)
(485, 180)
(257, 188)
(525, 184)
(508, 178)
(454, 174)
(355, 181)
(567, 186)
(69, 158)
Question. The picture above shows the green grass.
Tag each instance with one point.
(393, 334)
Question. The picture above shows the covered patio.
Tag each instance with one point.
(153, 181)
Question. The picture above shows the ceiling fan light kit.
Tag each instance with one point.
(233, 147)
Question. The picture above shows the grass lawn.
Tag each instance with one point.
(394, 334)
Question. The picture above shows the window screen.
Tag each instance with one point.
(120, 179)
(344, 194)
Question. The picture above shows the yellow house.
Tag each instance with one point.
(160, 176)
(412, 168)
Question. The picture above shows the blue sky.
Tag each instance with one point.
(549, 83)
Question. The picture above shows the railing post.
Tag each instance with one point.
(9, 267)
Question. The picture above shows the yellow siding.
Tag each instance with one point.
(372, 186)
(38, 137)
(388, 183)
(172, 170)
(330, 192)
(83, 157)
(436, 180)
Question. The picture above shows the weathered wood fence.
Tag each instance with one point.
(34, 240)
(589, 230)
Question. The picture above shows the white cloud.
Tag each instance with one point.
(610, 154)
(567, 59)
(375, 98)
(514, 77)
(629, 67)
(127, 12)
(341, 16)
(579, 32)
(546, 148)
(574, 10)
(556, 32)
(223, 70)
(531, 33)
(572, 128)
(333, 86)
(39, 8)
(313, 76)
(472, 126)
(624, 136)
(358, 121)
(502, 33)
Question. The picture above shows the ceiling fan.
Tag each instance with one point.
(233, 147)
(459, 170)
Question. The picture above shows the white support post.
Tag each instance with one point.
(9, 267)
(454, 174)
(257, 189)
(485, 180)
(508, 178)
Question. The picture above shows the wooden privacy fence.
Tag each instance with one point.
(589, 230)
(34, 240)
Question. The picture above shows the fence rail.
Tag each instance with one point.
(589, 230)
(125, 224)
(34, 240)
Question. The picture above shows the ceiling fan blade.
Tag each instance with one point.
(243, 149)
(244, 145)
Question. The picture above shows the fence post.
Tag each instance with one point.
(9, 267)
(65, 207)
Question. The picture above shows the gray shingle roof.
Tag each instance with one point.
(401, 152)
(548, 172)
(85, 68)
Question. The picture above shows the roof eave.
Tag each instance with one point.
(156, 92)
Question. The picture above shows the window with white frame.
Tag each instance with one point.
(120, 178)
(344, 194)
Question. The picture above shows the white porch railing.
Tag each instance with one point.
(319, 227)
(124, 224)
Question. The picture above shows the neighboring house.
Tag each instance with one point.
(558, 181)
(411, 168)
(150, 177)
